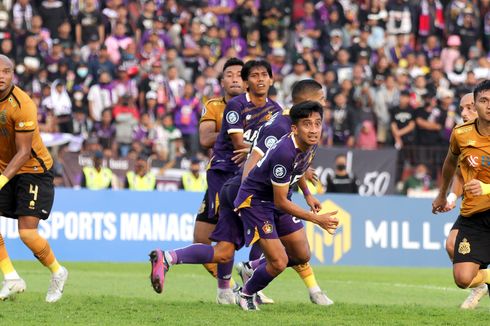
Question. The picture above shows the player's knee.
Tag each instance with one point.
(223, 254)
(463, 280)
(27, 235)
(278, 264)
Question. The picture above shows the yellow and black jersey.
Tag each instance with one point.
(474, 162)
(213, 111)
(18, 113)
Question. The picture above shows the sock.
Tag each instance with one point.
(483, 276)
(40, 248)
(193, 254)
(255, 252)
(259, 280)
(6, 266)
(224, 275)
(306, 273)
(212, 268)
(256, 263)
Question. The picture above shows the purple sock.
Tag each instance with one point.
(194, 254)
(258, 281)
(255, 252)
(224, 274)
(255, 263)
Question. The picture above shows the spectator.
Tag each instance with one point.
(419, 182)
(101, 96)
(342, 181)
(117, 43)
(451, 53)
(167, 139)
(194, 180)
(343, 122)
(53, 14)
(59, 103)
(430, 121)
(187, 114)
(126, 117)
(298, 73)
(97, 177)
(403, 122)
(105, 130)
(140, 179)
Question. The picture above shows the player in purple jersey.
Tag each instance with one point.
(267, 187)
(269, 134)
(209, 127)
(243, 117)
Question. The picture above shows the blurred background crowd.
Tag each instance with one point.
(129, 77)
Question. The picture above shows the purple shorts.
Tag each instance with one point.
(286, 223)
(229, 227)
(215, 179)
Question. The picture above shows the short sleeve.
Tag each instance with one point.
(25, 117)
(281, 167)
(209, 113)
(453, 144)
(269, 135)
(232, 120)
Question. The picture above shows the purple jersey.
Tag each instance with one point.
(283, 164)
(240, 116)
(272, 131)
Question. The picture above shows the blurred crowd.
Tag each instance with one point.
(133, 75)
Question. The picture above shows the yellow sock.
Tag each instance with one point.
(306, 273)
(212, 268)
(40, 248)
(5, 263)
(482, 277)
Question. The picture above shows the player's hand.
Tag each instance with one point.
(328, 222)
(311, 176)
(240, 155)
(473, 187)
(314, 203)
(439, 205)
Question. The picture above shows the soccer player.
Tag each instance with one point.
(209, 127)
(266, 190)
(469, 144)
(26, 183)
(468, 112)
(294, 236)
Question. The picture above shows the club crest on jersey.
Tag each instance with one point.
(268, 116)
(464, 247)
(267, 228)
(279, 171)
(270, 141)
(3, 117)
(232, 117)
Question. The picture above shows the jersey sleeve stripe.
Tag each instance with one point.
(280, 184)
(30, 130)
(234, 131)
(258, 150)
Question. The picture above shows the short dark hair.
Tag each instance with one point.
(481, 87)
(303, 87)
(304, 110)
(232, 62)
(249, 65)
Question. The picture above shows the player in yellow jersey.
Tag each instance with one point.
(209, 127)
(26, 183)
(468, 112)
(470, 147)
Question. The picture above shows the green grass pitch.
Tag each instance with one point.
(120, 294)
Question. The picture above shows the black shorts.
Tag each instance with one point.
(203, 213)
(457, 224)
(28, 194)
(473, 240)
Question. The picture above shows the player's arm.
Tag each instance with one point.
(314, 203)
(254, 157)
(448, 170)
(207, 133)
(281, 202)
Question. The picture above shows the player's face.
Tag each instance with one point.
(467, 108)
(482, 105)
(259, 81)
(308, 130)
(232, 81)
(318, 96)
(6, 75)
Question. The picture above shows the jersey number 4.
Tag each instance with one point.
(250, 136)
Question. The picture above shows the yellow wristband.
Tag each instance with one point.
(485, 188)
(3, 180)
